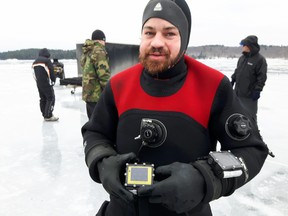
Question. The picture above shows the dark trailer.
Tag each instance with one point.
(121, 56)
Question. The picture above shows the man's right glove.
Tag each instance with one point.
(110, 169)
(181, 191)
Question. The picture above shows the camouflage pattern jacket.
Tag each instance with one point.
(96, 72)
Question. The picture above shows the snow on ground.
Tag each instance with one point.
(42, 168)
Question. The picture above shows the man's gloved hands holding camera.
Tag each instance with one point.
(110, 170)
(181, 191)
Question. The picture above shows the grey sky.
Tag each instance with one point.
(57, 24)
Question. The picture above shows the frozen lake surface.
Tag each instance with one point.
(42, 168)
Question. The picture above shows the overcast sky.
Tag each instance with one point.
(60, 24)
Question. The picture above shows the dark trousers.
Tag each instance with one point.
(47, 100)
(90, 108)
(250, 105)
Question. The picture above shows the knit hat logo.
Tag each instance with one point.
(158, 7)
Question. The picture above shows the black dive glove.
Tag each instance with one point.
(255, 95)
(110, 169)
(181, 191)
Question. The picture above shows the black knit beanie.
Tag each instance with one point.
(98, 35)
(44, 52)
(252, 42)
(176, 12)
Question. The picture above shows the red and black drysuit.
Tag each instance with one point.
(192, 100)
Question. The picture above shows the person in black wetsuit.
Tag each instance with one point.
(170, 111)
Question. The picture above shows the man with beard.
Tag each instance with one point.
(152, 140)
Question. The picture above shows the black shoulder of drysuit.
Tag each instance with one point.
(98, 145)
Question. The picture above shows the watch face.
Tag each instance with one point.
(226, 160)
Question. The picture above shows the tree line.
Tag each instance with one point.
(198, 52)
(29, 54)
(219, 51)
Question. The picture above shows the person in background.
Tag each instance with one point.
(96, 72)
(58, 68)
(167, 114)
(250, 74)
(45, 79)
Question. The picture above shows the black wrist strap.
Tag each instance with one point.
(213, 183)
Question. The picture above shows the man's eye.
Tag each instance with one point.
(170, 34)
(149, 33)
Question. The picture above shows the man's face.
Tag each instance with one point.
(245, 49)
(160, 45)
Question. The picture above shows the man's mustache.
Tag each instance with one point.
(154, 50)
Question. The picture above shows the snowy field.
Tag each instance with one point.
(42, 168)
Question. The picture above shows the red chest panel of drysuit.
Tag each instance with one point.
(193, 99)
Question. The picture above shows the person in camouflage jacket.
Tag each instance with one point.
(96, 71)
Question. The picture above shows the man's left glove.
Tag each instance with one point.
(181, 191)
(110, 169)
(255, 95)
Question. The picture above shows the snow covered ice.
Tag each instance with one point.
(42, 167)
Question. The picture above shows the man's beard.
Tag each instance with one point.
(154, 66)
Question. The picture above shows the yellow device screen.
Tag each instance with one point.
(137, 175)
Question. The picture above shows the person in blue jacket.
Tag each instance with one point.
(152, 139)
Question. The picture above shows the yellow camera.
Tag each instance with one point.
(138, 175)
